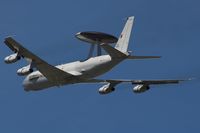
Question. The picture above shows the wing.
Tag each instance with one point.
(50, 72)
(138, 82)
(141, 85)
(148, 82)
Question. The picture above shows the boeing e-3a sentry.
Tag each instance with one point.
(46, 75)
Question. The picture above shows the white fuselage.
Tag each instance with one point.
(83, 70)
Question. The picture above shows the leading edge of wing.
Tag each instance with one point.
(50, 72)
(22, 51)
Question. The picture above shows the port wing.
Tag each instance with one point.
(52, 73)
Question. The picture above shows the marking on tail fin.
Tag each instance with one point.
(122, 44)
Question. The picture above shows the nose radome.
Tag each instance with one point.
(77, 34)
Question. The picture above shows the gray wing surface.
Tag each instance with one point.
(50, 72)
(146, 82)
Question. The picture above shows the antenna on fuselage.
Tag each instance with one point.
(95, 39)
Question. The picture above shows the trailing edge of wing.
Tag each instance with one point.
(148, 82)
(143, 57)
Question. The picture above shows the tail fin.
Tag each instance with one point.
(122, 44)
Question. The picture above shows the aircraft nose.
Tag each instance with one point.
(78, 34)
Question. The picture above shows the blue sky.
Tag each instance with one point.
(167, 28)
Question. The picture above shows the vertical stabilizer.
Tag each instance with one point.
(123, 41)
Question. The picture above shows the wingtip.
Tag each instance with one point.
(188, 79)
(10, 36)
(158, 56)
(193, 78)
(129, 18)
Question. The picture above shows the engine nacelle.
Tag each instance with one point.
(141, 88)
(106, 89)
(24, 71)
(12, 58)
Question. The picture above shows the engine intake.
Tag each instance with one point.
(140, 88)
(106, 89)
(24, 71)
(12, 58)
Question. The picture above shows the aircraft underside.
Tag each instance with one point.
(36, 81)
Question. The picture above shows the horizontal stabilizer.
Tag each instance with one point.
(113, 52)
(143, 57)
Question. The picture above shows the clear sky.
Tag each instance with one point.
(169, 28)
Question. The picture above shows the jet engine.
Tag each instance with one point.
(140, 88)
(24, 71)
(106, 89)
(12, 58)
